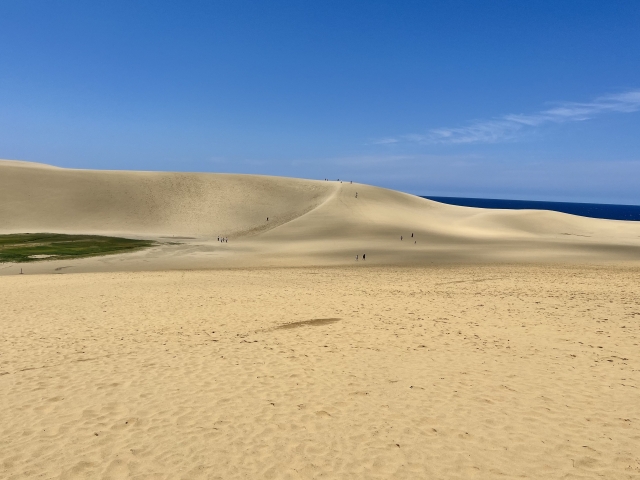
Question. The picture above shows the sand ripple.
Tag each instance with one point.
(483, 372)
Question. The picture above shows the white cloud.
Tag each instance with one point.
(510, 126)
(386, 141)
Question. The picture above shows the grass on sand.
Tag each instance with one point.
(30, 247)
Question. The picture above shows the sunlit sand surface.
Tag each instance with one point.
(499, 345)
(451, 372)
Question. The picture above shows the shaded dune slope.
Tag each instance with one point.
(41, 198)
(310, 222)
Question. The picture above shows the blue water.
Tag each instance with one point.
(594, 210)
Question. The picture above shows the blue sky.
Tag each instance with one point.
(505, 99)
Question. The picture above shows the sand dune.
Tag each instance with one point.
(149, 203)
(458, 356)
(310, 222)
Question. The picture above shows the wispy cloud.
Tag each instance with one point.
(508, 127)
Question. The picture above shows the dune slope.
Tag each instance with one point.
(37, 198)
(310, 222)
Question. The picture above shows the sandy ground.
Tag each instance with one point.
(490, 344)
(360, 372)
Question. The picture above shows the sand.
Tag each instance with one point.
(443, 372)
(501, 345)
(311, 223)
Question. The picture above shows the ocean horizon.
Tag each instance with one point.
(592, 210)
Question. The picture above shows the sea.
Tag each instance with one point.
(593, 210)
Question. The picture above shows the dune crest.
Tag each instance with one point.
(149, 203)
(310, 222)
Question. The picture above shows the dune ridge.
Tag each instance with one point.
(149, 203)
(310, 222)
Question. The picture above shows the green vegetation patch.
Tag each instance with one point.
(31, 247)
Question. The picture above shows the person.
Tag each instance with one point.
(412, 235)
(363, 256)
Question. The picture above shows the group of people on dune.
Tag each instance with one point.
(401, 238)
